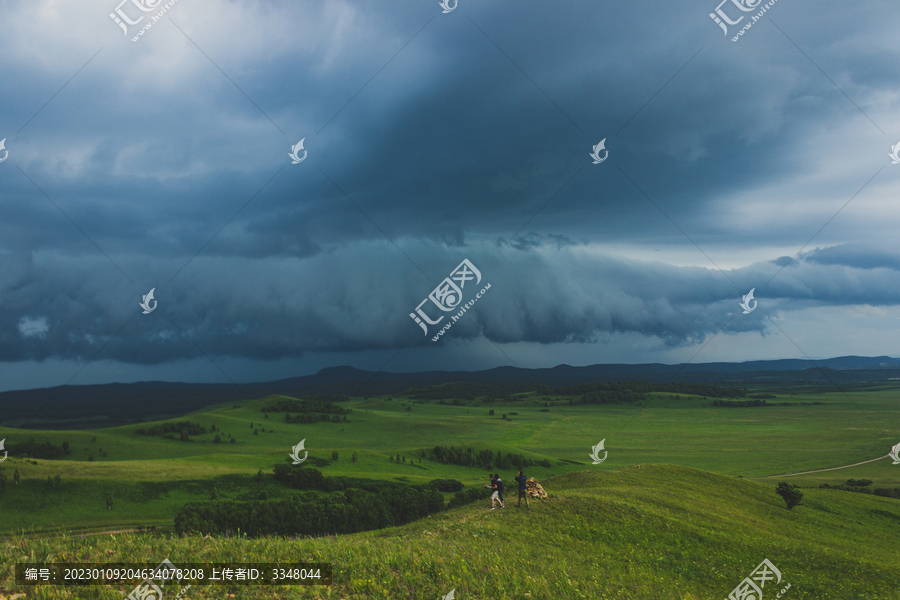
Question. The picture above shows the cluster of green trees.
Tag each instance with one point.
(612, 392)
(399, 459)
(305, 478)
(314, 418)
(446, 485)
(467, 497)
(628, 388)
(347, 511)
(468, 391)
(468, 457)
(862, 486)
(31, 449)
(737, 403)
(608, 397)
(182, 427)
(322, 403)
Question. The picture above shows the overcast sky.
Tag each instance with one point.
(431, 138)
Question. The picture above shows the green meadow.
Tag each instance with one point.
(683, 507)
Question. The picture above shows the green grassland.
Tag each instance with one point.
(638, 533)
(680, 525)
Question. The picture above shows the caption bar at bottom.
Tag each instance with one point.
(188, 573)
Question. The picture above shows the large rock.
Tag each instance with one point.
(534, 489)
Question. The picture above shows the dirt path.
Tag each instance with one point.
(831, 469)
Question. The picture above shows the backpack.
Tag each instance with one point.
(500, 487)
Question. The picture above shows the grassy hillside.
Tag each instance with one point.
(149, 477)
(638, 533)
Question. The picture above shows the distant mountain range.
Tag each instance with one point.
(89, 406)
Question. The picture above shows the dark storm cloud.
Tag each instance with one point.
(352, 299)
(453, 147)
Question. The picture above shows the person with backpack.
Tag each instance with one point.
(495, 493)
(523, 493)
(501, 487)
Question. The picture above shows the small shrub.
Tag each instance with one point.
(790, 493)
(859, 482)
(491, 412)
(91, 458)
(447, 485)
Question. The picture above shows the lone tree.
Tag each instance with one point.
(334, 455)
(354, 458)
(491, 412)
(109, 502)
(218, 440)
(90, 457)
(259, 475)
(790, 493)
(66, 447)
(16, 476)
(233, 441)
(256, 432)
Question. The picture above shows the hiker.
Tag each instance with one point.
(522, 490)
(501, 487)
(495, 494)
